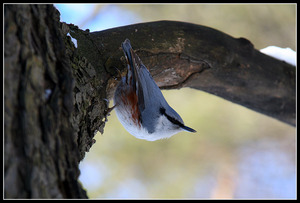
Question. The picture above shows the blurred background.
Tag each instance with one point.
(236, 152)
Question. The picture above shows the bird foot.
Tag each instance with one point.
(108, 111)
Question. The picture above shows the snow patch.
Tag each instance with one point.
(285, 54)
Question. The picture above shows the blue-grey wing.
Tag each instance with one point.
(150, 98)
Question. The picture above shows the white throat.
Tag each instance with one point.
(164, 128)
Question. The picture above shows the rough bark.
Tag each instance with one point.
(182, 54)
(55, 94)
(41, 151)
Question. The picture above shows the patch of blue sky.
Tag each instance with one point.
(265, 172)
(110, 16)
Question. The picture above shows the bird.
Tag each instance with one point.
(140, 105)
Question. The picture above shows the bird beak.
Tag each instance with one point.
(188, 129)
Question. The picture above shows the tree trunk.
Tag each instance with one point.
(41, 151)
(56, 94)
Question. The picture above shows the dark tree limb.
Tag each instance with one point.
(55, 95)
(182, 54)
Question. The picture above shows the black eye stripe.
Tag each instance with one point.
(171, 119)
(162, 111)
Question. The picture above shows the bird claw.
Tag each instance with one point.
(109, 110)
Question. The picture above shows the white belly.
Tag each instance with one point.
(162, 129)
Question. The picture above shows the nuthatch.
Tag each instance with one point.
(140, 106)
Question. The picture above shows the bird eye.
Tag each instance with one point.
(162, 111)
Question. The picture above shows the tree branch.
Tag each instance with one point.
(181, 54)
(55, 94)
